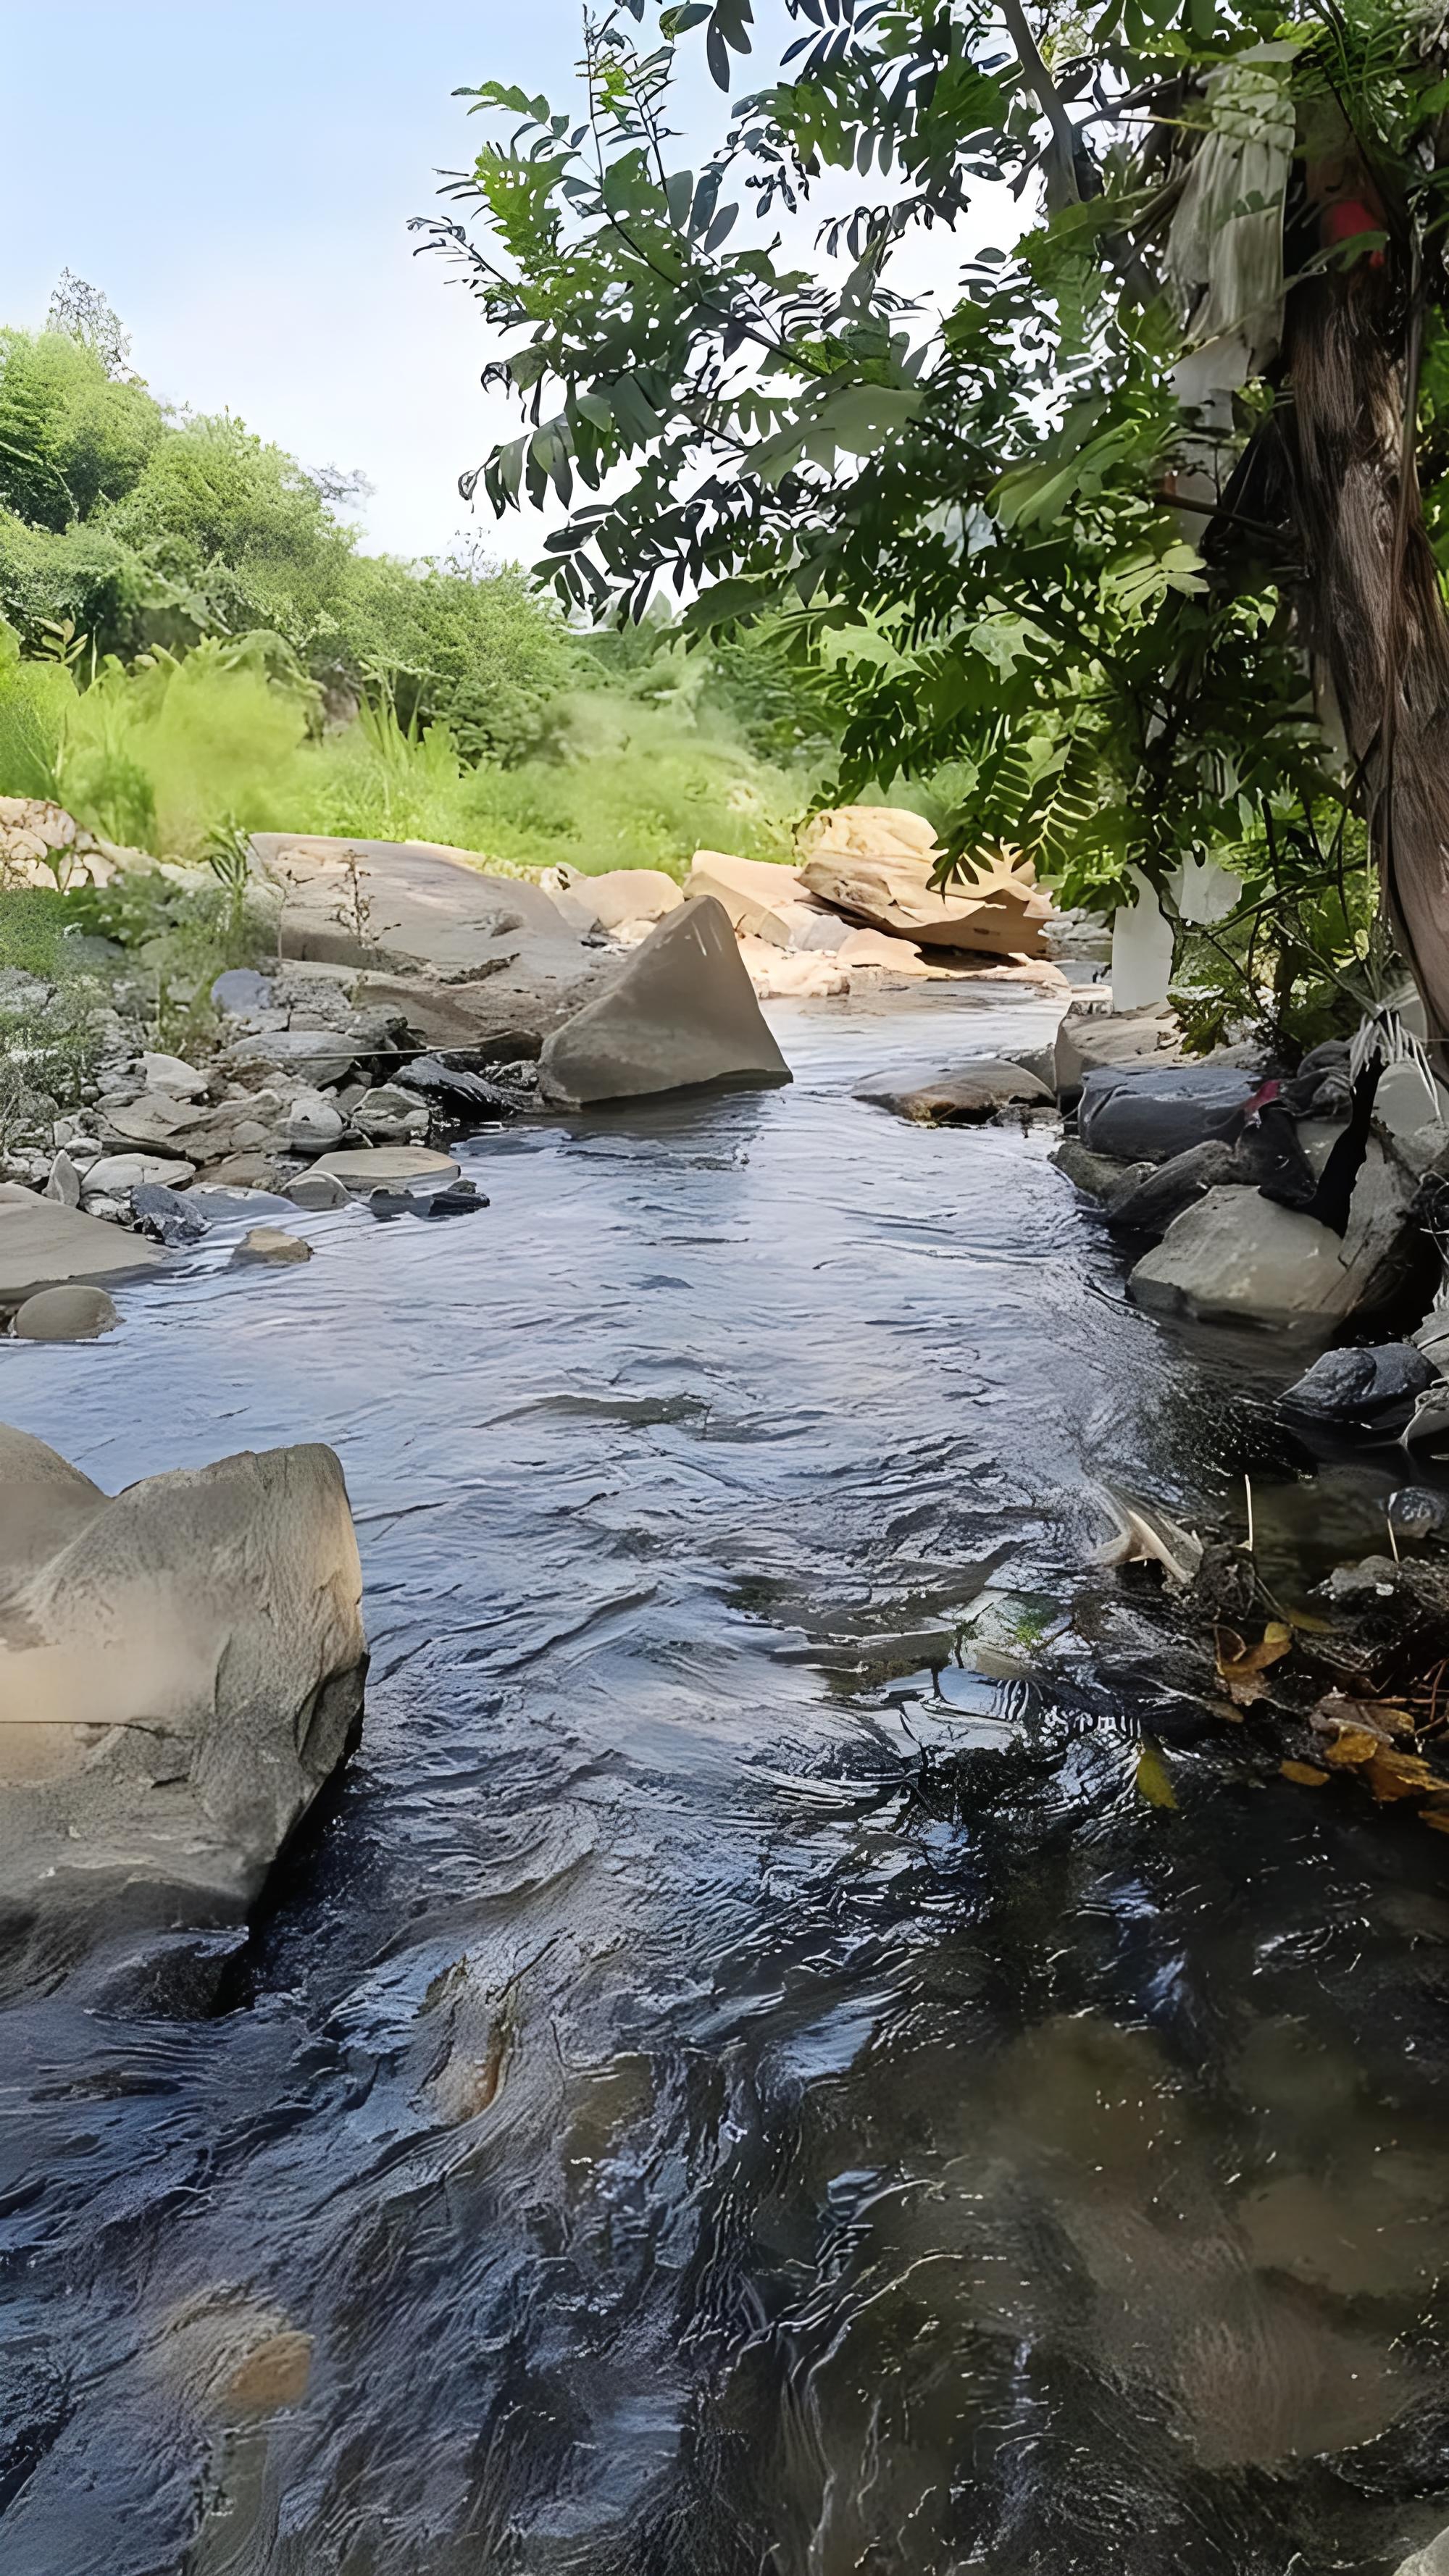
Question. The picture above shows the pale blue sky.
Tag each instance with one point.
(237, 175)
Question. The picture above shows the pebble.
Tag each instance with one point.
(272, 1244)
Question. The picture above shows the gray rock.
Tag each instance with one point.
(1239, 1258)
(311, 1056)
(1376, 1386)
(965, 1095)
(1097, 1176)
(313, 1123)
(221, 1205)
(409, 905)
(272, 1245)
(65, 1315)
(391, 1115)
(172, 1073)
(184, 1669)
(112, 1175)
(44, 1245)
(1089, 1037)
(1150, 1113)
(315, 1190)
(682, 1012)
(165, 1215)
(240, 991)
(64, 1183)
(1148, 1204)
(1431, 2560)
(367, 1168)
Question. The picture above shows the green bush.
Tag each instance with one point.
(72, 436)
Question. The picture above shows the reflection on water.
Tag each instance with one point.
(738, 2079)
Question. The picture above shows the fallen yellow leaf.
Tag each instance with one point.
(1308, 1776)
(1352, 1745)
(1438, 1817)
(1153, 1780)
(1240, 1666)
(1398, 1775)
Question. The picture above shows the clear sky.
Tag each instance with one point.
(237, 176)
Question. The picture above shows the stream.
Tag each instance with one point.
(737, 2077)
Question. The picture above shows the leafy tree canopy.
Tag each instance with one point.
(1061, 526)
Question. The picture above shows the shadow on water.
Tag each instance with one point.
(736, 2077)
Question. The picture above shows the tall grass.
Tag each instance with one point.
(168, 753)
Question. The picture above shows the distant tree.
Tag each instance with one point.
(82, 313)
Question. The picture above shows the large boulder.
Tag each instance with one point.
(181, 1668)
(45, 1245)
(682, 1012)
(875, 863)
(1238, 1258)
(964, 1096)
(413, 906)
(1147, 1114)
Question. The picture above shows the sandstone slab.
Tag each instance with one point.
(45, 1245)
(363, 1168)
(681, 1013)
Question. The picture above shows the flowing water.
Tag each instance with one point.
(739, 2077)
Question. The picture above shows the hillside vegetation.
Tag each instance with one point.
(191, 639)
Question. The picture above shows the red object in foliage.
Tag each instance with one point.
(1345, 220)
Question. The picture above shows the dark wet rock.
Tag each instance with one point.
(681, 1013)
(1227, 1580)
(1148, 1205)
(224, 1599)
(167, 1215)
(458, 1093)
(460, 1198)
(1376, 1386)
(1417, 1512)
(1270, 1156)
(1153, 1113)
(1098, 1176)
(65, 1315)
(963, 1096)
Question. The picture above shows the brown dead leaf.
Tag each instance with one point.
(1351, 1746)
(1307, 1775)
(1398, 1775)
(1241, 1666)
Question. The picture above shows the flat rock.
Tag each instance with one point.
(681, 1013)
(1151, 1113)
(44, 1245)
(223, 1204)
(113, 1174)
(158, 1121)
(507, 1003)
(248, 1172)
(996, 916)
(181, 1668)
(272, 1244)
(364, 1168)
(1238, 1258)
(965, 1095)
(754, 892)
(414, 906)
(76, 1314)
